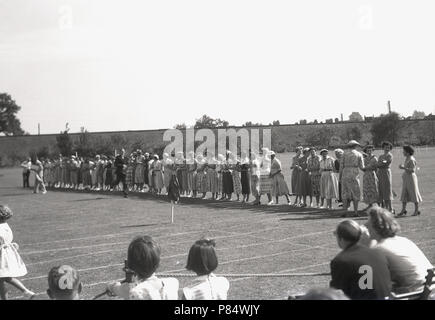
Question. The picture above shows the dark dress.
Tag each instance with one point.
(109, 176)
(146, 171)
(304, 186)
(245, 178)
(227, 179)
(337, 169)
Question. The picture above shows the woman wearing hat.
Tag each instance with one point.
(370, 179)
(385, 177)
(410, 191)
(168, 170)
(351, 164)
(279, 186)
(158, 174)
(338, 158)
(328, 180)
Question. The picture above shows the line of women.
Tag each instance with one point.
(323, 177)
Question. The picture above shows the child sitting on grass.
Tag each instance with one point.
(64, 283)
(11, 264)
(203, 261)
(143, 259)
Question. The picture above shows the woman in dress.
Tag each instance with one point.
(150, 174)
(328, 180)
(221, 160)
(139, 172)
(181, 167)
(227, 179)
(384, 176)
(201, 176)
(338, 158)
(313, 167)
(109, 176)
(254, 166)
(279, 186)
(245, 176)
(351, 164)
(296, 173)
(265, 182)
(235, 173)
(212, 176)
(370, 179)
(191, 174)
(130, 172)
(304, 185)
(158, 174)
(168, 170)
(410, 190)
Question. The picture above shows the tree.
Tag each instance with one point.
(180, 126)
(251, 124)
(386, 127)
(275, 123)
(207, 122)
(356, 117)
(83, 145)
(320, 137)
(418, 115)
(64, 143)
(9, 124)
(352, 133)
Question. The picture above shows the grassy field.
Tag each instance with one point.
(91, 231)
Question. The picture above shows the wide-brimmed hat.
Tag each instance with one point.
(352, 143)
(324, 150)
(272, 153)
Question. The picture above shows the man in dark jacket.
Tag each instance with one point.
(120, 164)
(362, 273)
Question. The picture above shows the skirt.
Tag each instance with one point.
(11, 264)
(255, 184)
(370, 187)
(167, 175)
(201, 182)
(315, 183)
(328, 185)
(304, 185)
(212, 181)
(295, 181)
(279, 186)
(410, 191)
(220, 182)
(236, 182)
(385, 184)
(246, 183)
(129, 176)
(139, 174)
(227, 182)
(158, 179)
(182, 179)
(350, 186)
(265, 185)
(109, 177)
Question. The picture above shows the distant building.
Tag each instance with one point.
(329, 121)
(303, 122)
(336, 120)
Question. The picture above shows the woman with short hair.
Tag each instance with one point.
(370, 179)
(407, 263)
(410, 191)
(385, 177)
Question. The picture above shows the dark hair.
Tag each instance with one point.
(5, 213)
(383, 222)
(324, 294)
(409, 150)
(202, 258)
(369, 146)
(387, 143)
(349, 230)
(63, 281)
(143, 256)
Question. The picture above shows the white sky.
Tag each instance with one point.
(128, 65)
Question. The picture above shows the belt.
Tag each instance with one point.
(327, 170)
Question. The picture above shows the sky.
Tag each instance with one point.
(110, 65)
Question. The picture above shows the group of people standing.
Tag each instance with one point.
(323, 177)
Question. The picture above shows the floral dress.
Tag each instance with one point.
(351, 162)
(370, 180)
(313, 167)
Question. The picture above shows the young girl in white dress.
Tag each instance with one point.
(11, 264)
(202, 260)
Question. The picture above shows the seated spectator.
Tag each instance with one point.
(64, 283)
(362, 273)
(324, 294)
(143, 259)
(203, 261)
(407, 263)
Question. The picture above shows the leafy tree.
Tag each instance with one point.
(83, 145)
(320, 137)
(64, 143)
(275, 123)
(418, 115)
(386, 127)
(180, 126)
(207, 122)
(9, 124)
(355, 117)
(251, 124)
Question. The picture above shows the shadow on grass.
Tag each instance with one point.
(93, 199)
(144, 225)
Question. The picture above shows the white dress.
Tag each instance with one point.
(11, 264)
(207, 287)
